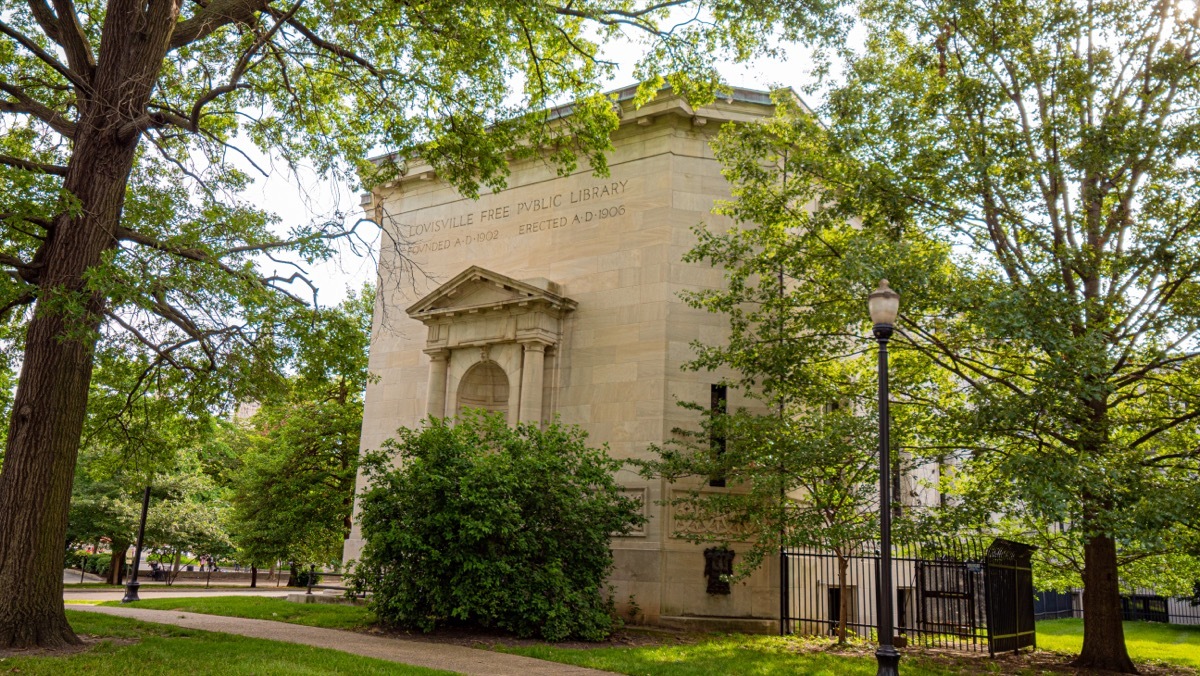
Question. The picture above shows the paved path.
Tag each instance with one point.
(73, 577)
(160, 592)
(418, 653)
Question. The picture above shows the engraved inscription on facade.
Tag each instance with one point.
(533, 216)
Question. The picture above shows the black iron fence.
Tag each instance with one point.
(949, 593)
(1144, 606)
(1054, 605)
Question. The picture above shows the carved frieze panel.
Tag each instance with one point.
(689, 519)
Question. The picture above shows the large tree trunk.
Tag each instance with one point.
(1103, 634)
(56, 371)
(117, 562)
(253, 576)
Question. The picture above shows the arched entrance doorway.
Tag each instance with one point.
(483, 386)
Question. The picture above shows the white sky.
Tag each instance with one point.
(305, 198)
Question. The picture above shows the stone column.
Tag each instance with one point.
(532, 375)
(435, 400)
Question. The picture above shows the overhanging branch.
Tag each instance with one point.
(26, 104)
(33, 166)
(44, 56)
(214, 15)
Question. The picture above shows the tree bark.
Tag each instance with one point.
(293, 573)
(253, 576)
(56, 371)
(1103, 633)
(843, 601)
(175, 568)
(116, 561)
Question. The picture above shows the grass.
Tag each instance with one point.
(1146, 641)
(733, 654)
(161, 649)
(727, 655)
(324, 615)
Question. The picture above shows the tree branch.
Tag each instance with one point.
(28, 105)
(33, 166)
(1168, 425)
(73, 40)
(321, 43)
(627, 14)
(45, 18)
(216, 14)
(44, 56)
(26, 298)
(198, 255)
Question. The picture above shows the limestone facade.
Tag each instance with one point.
(560, 296)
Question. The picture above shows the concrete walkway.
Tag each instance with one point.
(161, 592)
(417, 653)
(71, 576)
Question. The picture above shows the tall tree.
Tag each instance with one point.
(119, 210)
(1050, 149)
(187, 514)
(800, 464)
(101, 508)
(293, 497)
(136, 437)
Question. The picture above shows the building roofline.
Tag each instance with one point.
(627, 93)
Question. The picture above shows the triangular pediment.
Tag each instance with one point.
(476, 289)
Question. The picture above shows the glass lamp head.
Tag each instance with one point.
(884, 304)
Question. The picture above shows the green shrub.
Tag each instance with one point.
(99, 564)
(478, 523)
(301, 579)
(75, 558)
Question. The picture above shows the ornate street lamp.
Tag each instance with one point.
(131, 589)
(884, 305)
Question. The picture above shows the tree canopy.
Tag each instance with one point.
(293, 490)
(123, 151)
(1026, 177)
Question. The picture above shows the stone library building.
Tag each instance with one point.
(559, 296)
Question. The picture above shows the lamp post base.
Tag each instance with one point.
(131, 592)
(889, 661)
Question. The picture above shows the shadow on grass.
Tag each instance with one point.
(129, 647)
(328, 616)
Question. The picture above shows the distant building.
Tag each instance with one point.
(246, 410)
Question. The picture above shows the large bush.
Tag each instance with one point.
(474, 522)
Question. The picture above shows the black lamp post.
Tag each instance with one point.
(884, 305)
(131, 589)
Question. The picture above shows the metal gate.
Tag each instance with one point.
(950, 593)
(1010, 597)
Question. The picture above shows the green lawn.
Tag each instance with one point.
(162, 649)
(743, 655)
(1176, 644)
(262, 608)
(1147, 642)
(720, 654)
